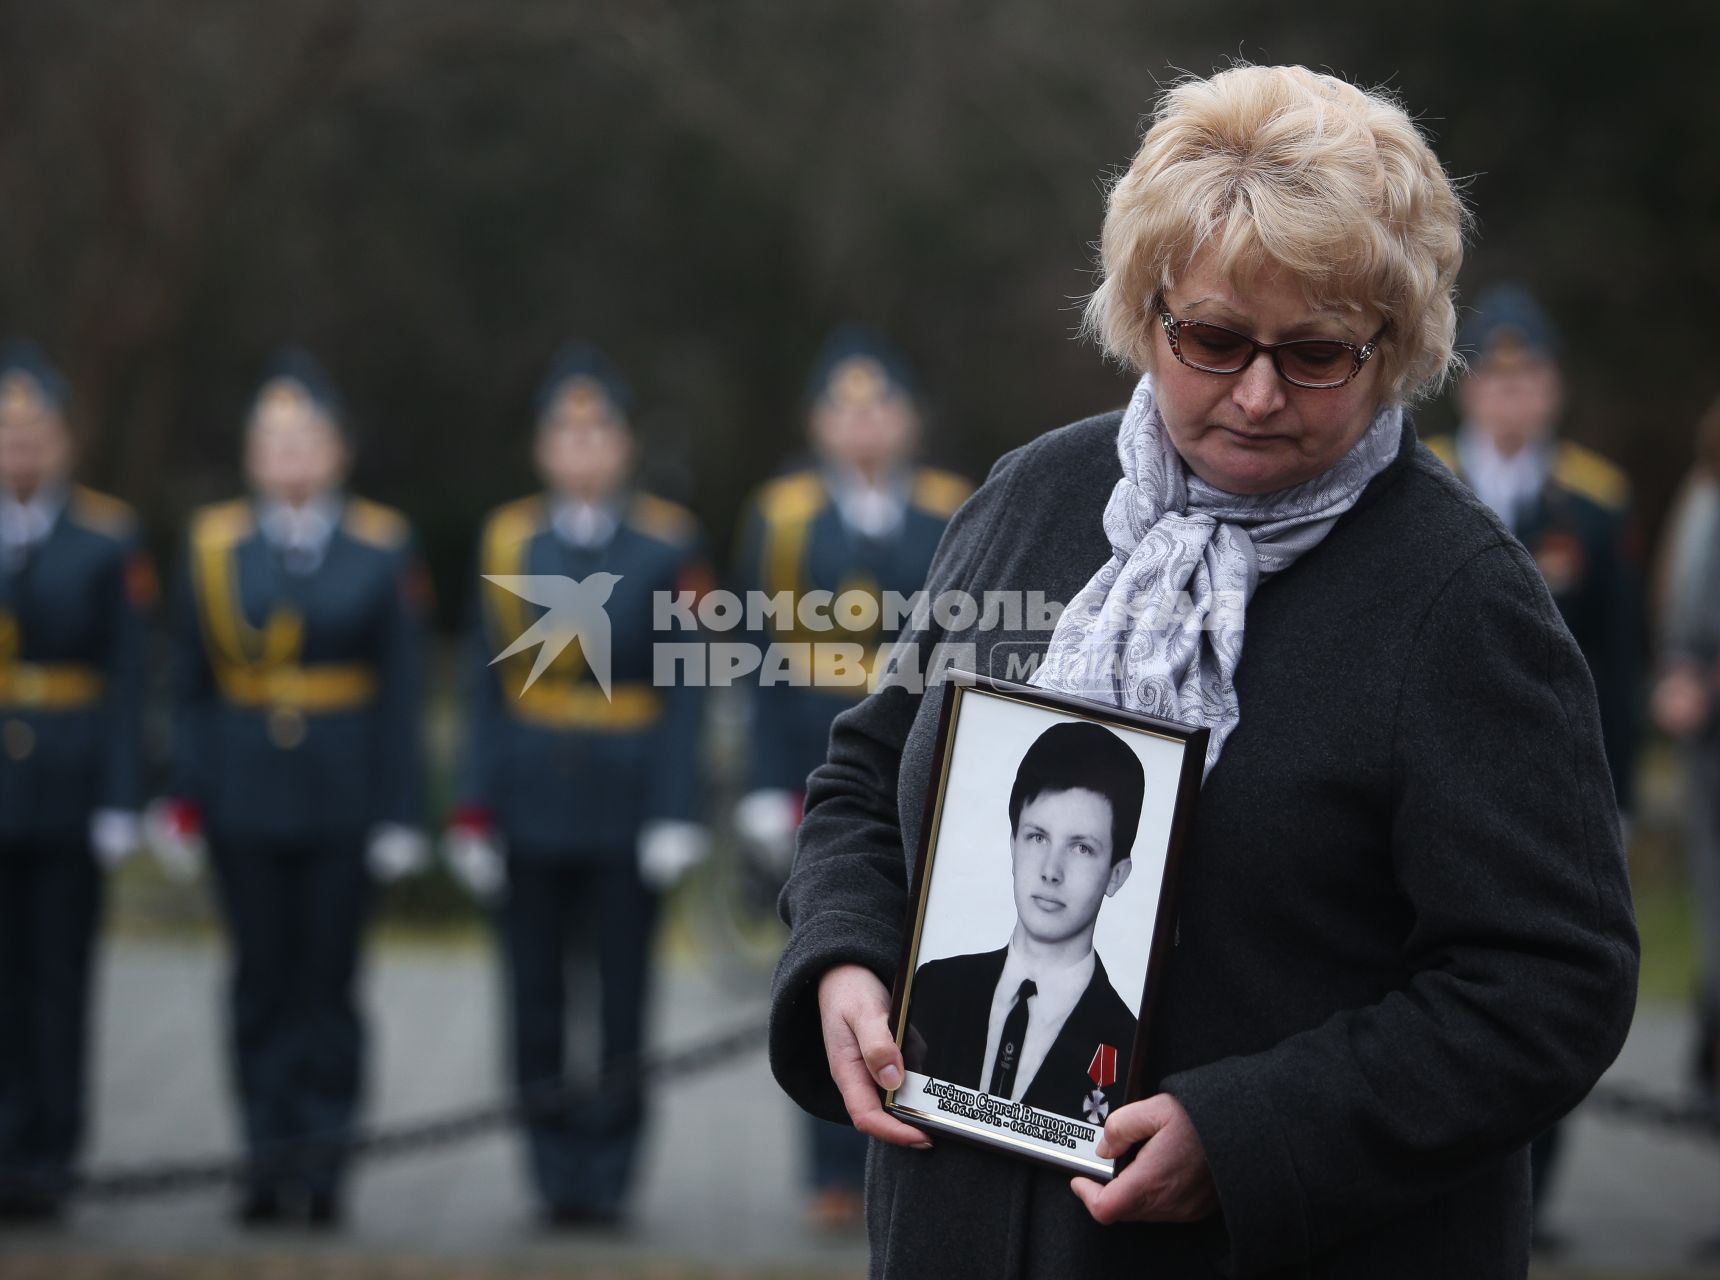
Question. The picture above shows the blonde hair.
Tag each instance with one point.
(1283, 167)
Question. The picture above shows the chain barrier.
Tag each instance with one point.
(1689, 1117)
(1692, 1117)
(545, 1100)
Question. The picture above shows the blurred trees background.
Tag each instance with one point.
(434, 194)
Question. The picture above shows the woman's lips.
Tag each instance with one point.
(1255, 438)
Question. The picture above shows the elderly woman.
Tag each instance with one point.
(1405, 942)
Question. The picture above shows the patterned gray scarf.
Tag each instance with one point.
(1159, 628)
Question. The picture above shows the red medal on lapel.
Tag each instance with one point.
(1103, 1070)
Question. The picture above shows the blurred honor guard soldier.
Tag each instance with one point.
(298, 671)
(862, 518)
(579, 787)
(74, 586)
(1567, 505)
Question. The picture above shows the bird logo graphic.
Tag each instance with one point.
(575, 612)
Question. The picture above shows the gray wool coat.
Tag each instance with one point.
(1406, 942)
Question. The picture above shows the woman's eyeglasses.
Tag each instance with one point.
(1319, 364)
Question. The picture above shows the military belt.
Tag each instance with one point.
(584, 705)
(323, 687)
(48, 686)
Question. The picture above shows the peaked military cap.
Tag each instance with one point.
(294, 371)
(1507, 320)
(856, 366)
(25, 370)
(580, 368)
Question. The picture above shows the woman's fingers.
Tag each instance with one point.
(1088, 1192)
(855, 1010)
(866, 1110)
(1133, 1124)
(1169, 1180)
(878, 1047)
(1131, 1195)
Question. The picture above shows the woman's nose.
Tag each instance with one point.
(1259, 391)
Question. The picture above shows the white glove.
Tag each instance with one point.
(173, 831)
(115, 834)
(766, 820)
(396, 850)
(668, 849)
(474, 858)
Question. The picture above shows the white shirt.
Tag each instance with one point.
(870, 510)
(300, 533)
(1509, 485)
(24, 525)
(1059, 991)
(586, 525)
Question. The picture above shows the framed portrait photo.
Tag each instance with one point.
(1041, 918)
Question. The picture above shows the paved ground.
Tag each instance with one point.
(719, 1192)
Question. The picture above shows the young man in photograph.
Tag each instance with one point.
(1038, 1021)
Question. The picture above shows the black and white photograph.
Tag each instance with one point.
(1043, 892)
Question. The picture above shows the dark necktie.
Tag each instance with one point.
(1009, 1047)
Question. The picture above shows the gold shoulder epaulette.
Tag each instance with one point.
(662, 519)
(940, 492)
(792, 498)
(102, 512)
(220, 524)
(1445, 449)
(375, 524)
(506, 527)
(1585, 472)
(504, 548)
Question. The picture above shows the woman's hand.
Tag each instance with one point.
(854, 1008)
(1167, 1181)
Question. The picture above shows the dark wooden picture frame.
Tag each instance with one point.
(1171, 756)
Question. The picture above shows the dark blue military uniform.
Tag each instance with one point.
(795, 539)
(72, 649)
(1576, 523)
(296, 731)
(1579, 532)
(568, 774)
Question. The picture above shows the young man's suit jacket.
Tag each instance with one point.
(949, 1012)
